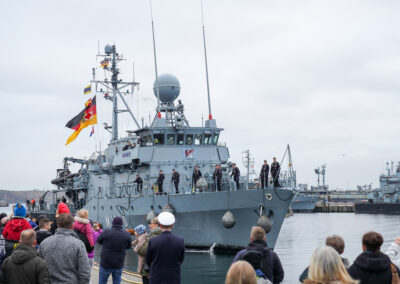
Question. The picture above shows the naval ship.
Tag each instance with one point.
(386, 198)
(205, 217)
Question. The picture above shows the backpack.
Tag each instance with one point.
(255, 259)
(85, 241)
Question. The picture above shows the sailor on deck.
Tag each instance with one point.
(160, 181)
(175, 179)
(196, 176)
(275, 169)
(217, 176)
(139, 184)
(236, 174)
(264, 174)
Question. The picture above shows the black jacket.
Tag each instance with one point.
(275, 168)
(196, 175)
(175, 176)
(217, 174)
(41, 235)
(115, 242)
(165, 255)
(139, 180)
(371, 267)
(236, 172)
(25, 266)
(271, 265)
(160, 179)
(264, 170)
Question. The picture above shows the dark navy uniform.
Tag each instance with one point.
(217, 176)
(139, 184)
(196, 176)
(236, 175)
(160, 181)
(275, 169)
(264, 175)
(175, 179)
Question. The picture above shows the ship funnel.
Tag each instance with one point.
(265, 223)
(169, 208)
(228, 220)
(150, 216)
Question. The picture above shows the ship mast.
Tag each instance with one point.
(116, 86)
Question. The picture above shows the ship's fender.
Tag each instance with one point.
(228, 220)
(265, 223)
(169, 208)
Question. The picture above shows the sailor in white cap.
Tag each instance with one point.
(165, 253)
(166, 219)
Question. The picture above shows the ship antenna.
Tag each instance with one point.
(155, 61)
(205, 58)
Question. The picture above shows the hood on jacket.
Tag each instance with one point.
(155, 232)
(23, 253)
(372, 261)
(17, 224)
(81, 220)
(258, 246)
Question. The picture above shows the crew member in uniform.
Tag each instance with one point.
(139, 184)
(264, 174)
(275, 169)
(217, 176)
(236, 174)
(175, 179)
(196, 175)
(160, 181)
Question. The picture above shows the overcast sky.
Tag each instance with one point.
(321, 76)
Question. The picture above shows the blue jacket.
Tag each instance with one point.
(165, 255)
(115, 242)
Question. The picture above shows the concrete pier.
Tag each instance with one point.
(127, 276)
(335, 207)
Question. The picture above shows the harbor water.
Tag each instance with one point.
(300, 235)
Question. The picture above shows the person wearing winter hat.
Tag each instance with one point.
(165, 253)
(141, 237)
(3, 221)
(115, 241)
(12, 230)
(14, 227)
(61, 208)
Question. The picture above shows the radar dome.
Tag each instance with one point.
(169, 88)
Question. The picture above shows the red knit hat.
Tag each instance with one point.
(63, 208)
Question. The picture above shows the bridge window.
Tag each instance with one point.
(189, 139)
(146, 141)
(197, 139)
(215, 139)
(159, 139)
(171, 139)
(207, 139)
(180, 139)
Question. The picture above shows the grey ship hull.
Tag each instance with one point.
(304, 203)
(198, 216)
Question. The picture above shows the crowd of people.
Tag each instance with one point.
(42, 251)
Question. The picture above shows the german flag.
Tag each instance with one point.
(86, 117)
(105, 63)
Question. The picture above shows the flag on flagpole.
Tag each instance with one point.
(92, 132)
(88, 116)
(87, 90)
(105, 63)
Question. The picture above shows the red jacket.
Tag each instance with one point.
(14, 227)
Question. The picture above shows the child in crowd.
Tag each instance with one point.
(141, 237)
(82, 224)
(96, 232)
